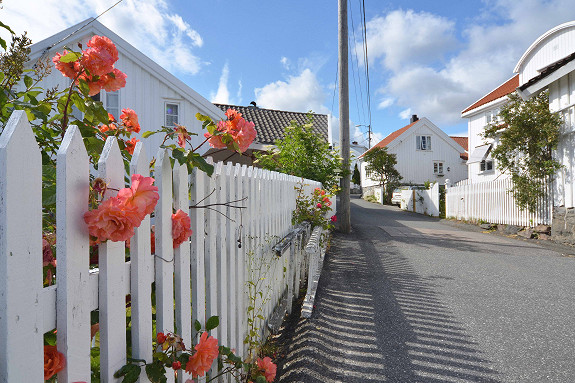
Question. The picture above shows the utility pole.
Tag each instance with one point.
(343, 206)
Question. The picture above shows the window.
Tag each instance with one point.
(423, 143)
(113, 103)
(437, 167)
(486, 165)
(172, 114)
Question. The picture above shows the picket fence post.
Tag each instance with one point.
(182, 272)
(72, 249)
(142, 274)
(111, 259)
(21, 341)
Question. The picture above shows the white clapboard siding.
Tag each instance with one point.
(141, 274)
(205, 276)
(72, 248)
(20, 253)
(112, 292)
(492, 202)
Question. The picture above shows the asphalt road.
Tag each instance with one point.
(408, 298)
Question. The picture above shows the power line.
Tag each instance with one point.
(367, 69)
(357, 66)
(79, 29)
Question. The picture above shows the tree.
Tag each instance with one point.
(527, 134)
(381, 167)
(356, 177)
(304, 153)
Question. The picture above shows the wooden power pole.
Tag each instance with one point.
(343, 206)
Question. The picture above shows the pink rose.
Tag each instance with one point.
(206, 352)
(333, 218)
(99, 59)
(70, 70)
(142, 195)
(181, 228)
(268, 368)
(130, 120)
(113, 83)
(112, 220)
(318, 205)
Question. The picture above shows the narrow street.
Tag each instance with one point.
(408, 298)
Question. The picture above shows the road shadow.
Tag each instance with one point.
(377, 320)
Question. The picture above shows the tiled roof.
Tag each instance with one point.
(270, 124)
(503, 90)
(464, 156)
(463, 141)
(392, 136)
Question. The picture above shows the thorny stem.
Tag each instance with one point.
(197, 147)
(65, 118)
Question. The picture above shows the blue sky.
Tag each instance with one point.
(430, 58)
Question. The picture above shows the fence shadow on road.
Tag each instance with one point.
(377, 320)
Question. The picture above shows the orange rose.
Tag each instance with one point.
(206, 352)
(268, 368)
(181, 228)
(54, 361)
(142, 195)
(112, 220)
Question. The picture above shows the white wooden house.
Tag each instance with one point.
(157, 96)
(480, 166)
(548, 64)
(424, 153)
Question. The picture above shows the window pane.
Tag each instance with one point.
(113, 104)
(172, 114)
(418, 143)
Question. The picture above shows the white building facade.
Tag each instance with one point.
(424, 153)
(157, 96)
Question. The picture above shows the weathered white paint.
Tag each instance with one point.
(21, 342)
(72, 249)
(112, 278)
(141, 274)
(491, 202)
(421, 201)
(30, 310)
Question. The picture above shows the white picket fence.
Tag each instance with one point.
(205, 276)
(491, 202)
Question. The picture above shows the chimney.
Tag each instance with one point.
(413, 118)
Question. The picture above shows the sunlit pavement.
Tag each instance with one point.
(407, 298)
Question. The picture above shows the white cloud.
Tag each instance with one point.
(408, 38)
(427, 76)
(405, 114)
(385, 103)
(300, 93)
(222, 96)
(286, 63)
(149, 25)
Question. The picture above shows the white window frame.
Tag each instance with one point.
(423, 143)
(438, 167)
(179, 115)
(117, 109)
(484, 164)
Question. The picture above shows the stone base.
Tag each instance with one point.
(563, 226)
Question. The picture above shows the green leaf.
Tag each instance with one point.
(156, 372)
(200, 162)
(70, 57)
(6, 27)
(130, 372)
(50, 338)
(261, 379)
(212, 323)
(197, 325)
(28, 81)
(148, 133)
(48, 195)
(84, 88)
(78, 102)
